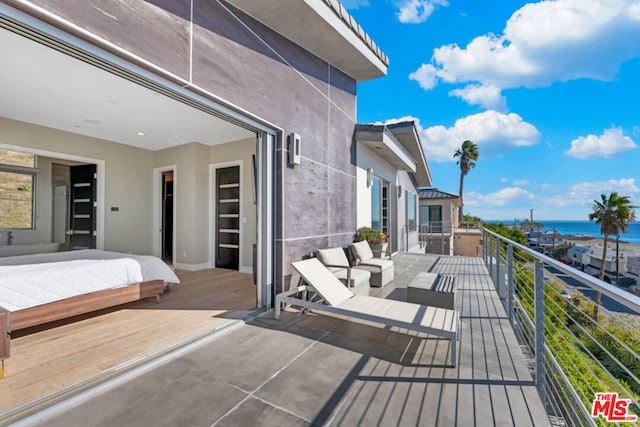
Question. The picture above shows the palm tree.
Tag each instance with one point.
(467, 156)
(613, 214)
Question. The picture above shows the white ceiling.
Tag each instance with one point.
(48, 88)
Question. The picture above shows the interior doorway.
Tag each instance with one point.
(227, 221)
(165, 180)
(167, 216)
(74, 199)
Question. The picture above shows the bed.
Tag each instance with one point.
(42, 288)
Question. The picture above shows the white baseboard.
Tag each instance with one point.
(191, 267)
(196, 267)
(245, 269)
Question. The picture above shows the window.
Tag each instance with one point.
(17, 189)
(435, 218)
(411, 211)
(379, 205)
(376, 204)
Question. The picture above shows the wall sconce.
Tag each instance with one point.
(369, 177)
(399, 191)
(293, 147)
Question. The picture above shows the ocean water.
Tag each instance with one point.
(586, 228)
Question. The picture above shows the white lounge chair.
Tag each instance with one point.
(381, 269)
(330, 295)
(337, 262)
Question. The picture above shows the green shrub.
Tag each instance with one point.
(374, 237)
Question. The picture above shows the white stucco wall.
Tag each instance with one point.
(367, 159)
(397, 202)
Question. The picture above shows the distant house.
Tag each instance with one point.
(633, 267)
(438, 210)
(575, 254)
(440, 230)
(592, 259)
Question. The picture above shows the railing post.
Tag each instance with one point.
(492, 257)
(539, 321)
(510, 283)
(486, 249)
(498, 288)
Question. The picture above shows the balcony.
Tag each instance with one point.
(322, 370)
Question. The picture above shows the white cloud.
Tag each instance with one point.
(417, 11)
(521, 182)
(542, 43)
(499, 198)
(426, 76)
(592, 190)
(494, 132)
(487, 96)
(550, 201)
(402, 119)
(611, 143)
(504, 179)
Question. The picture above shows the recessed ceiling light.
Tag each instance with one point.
(140, 133)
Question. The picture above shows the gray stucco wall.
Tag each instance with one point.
(241, 61)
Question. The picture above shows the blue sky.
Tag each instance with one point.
(549, 91)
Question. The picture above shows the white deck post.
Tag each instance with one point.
(510, 283)
(539, 322)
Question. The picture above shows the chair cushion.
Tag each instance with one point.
(358, 277)
(332, 258)
(383, 264)
(361, 250)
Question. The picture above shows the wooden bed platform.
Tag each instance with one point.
(69, 307)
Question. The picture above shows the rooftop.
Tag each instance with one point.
(399, 145)
(434, 193)
(324, 28)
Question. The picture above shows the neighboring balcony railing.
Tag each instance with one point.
(574, 352)
(437, 235)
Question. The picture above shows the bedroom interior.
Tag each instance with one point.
(122, 132)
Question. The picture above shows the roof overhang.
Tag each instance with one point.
(324, 28)
(407, 134)
(386, 146)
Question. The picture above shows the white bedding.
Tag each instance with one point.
(24, 286)
(153, 268)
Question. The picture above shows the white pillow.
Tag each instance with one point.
(362, 250)
(333, 257)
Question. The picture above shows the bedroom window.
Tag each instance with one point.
(17, 189)
(411, 211)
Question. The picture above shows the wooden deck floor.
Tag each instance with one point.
(491, 385)
(48, 359)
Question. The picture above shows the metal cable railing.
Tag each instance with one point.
(574, 357)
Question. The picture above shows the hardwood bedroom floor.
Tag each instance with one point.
(46, 359)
